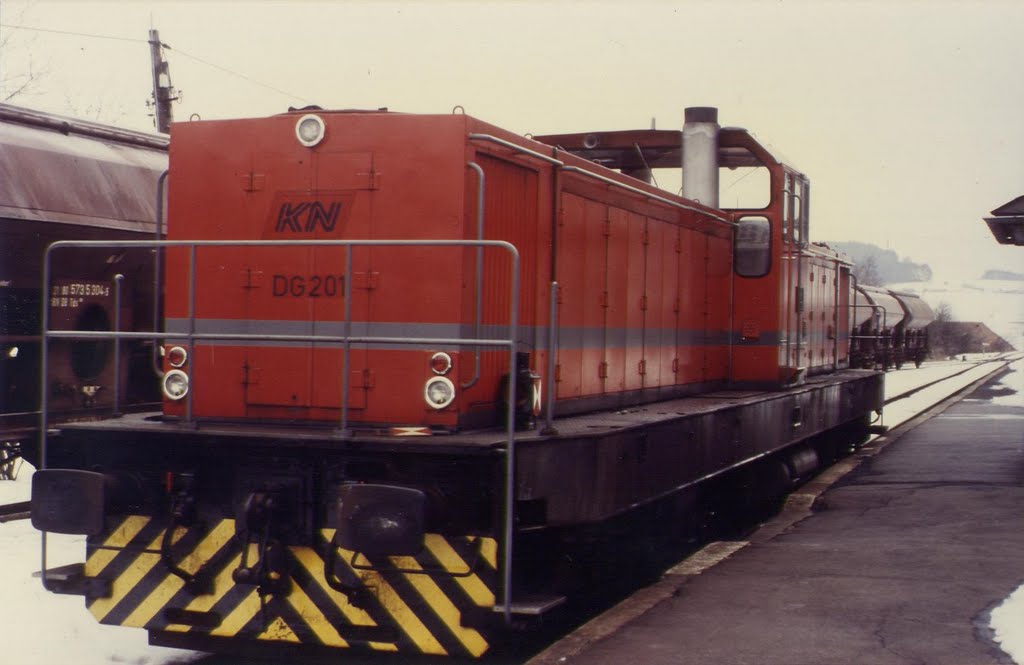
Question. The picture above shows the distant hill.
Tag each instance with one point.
(1003, 275)
(888, 267)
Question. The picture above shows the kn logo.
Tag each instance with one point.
(308, 214)
(290, 217)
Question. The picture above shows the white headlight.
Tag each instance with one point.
(440, 363)
(177, 356)
(309, 130)
(175, 384)
(439, 392)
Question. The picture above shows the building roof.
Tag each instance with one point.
(1014, 207)
(1007, 222)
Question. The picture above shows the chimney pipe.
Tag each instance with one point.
(700, 155)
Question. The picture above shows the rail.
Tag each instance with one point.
(191, 337)
(15, 511)
(1005, 358)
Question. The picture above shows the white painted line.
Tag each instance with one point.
(710, 555)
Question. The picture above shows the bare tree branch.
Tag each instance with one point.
(20, 83)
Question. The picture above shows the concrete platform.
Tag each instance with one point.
(900, 561)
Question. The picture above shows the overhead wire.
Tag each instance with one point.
(234, 73)
(190, 56)
(69, 32)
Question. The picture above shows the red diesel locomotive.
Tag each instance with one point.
(417, 366)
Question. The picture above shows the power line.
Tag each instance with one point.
(68, 32)
(234, 73)
(248, 79)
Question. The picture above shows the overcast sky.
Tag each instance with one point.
(907, 117)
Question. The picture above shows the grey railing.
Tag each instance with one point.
(192, 337)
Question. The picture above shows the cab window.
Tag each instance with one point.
(752, 252)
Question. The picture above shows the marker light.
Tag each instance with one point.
(440, 363)
(177, 356)
(439, 392)
(175, 384)
(309, 130)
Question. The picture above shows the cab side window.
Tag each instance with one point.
(752, 252)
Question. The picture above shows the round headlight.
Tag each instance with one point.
(177, 356)
(309, 130)
(440, 363)
(175, 384)
(439, 392)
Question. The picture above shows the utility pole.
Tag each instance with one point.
(163, 91)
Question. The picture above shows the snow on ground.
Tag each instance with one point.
(900, 382)
(41, 628)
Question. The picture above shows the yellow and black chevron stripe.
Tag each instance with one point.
(412, 604)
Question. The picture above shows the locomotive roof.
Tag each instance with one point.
(657, 148)
(621, 149)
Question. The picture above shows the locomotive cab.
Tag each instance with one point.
(790, 297)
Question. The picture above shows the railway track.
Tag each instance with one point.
(1005, 359)
(15, 511)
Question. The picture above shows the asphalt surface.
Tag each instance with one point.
(898, 562)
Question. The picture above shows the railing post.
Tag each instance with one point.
(44, 388)
(481, 183)
(510, 424)
(118, 278)
(347, 344)
(191, 328)
(549, 408)
(157, 261)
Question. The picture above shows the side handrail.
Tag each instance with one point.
(481, 183)
(549, 411)
(158, 234)
(596, 176)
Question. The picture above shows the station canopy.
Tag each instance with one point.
(1007, 222)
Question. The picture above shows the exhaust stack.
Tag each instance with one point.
(700, 155)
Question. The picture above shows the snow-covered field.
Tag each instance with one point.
(40, 628)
